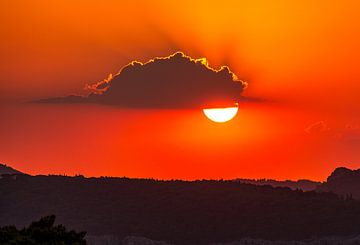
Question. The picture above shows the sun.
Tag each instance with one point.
(221, 115)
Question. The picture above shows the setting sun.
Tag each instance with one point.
(221, 115)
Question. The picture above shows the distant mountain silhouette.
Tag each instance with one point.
(305, 185)
(4, 169)
(344, 182)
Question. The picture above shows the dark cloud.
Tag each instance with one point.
(176, 81)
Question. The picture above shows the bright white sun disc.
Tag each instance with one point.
(221, 114)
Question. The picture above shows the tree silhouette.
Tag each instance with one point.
(41, 232)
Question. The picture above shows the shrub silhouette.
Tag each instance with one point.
(41, 232)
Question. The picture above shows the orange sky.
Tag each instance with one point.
(302, 56)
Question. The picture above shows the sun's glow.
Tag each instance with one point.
(221, 115)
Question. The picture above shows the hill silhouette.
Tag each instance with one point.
(4, 169)
(179, 212)
(344, 182)
(303, 184)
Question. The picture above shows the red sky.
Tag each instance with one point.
(300, 57)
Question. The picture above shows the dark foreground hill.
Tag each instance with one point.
(179, 212)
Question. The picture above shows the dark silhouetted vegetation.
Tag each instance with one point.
(180, 212)
(42, 232)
